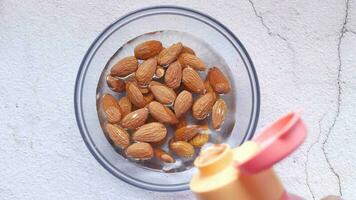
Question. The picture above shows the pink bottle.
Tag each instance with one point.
(246, 172)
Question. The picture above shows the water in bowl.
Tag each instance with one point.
(211, 58)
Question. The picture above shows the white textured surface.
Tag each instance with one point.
(304, 53)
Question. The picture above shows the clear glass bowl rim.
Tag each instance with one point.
(78, 92)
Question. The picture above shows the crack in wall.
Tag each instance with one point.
(273, 34)
(343, 30)
(307, 159)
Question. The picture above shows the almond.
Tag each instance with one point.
(192, 81)
(182, 148)
(186, 133)
(140, 151)
(199, 140)
(110, 108)
(163, 156)
(218, 113)
(135, 119)
(209, 88)
(190, 60)
(163, 93)
(187, 50)
(159, 143)
(125, 106)
(170, 54)
(161, 113)
(203, 106)
(113, 114)
(183, 103)
(115, 84)
(148, 49)
(173, 75)
(160, 71)
(132, 79)
(151, 132)
(124, 67)
(134, 94)
(148, 98)
(146, 71)
(118, 135)
(219, 81)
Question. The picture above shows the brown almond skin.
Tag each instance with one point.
(199, 140)
(125, 106)
(161, 113)
(132, 79)
(159, 143)
(218, 81)
(124, 67)
(187, 49)
(190, 60)
(118, 135)
(183, 103)
(135, 119)
(151, 132)
(173, 75)
(163, 94)
(203, 106)
(186, 133)
(140, 151)
(192, 81)
(148, 49)
(218, 113)
(170, 54)
(160, 71)
(135, 96)
(146, 71)
(110, 108)
(148, 98)
(209, 88)
(115, 84)
(163, 156)
(182, 148)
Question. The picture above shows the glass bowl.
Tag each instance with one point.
(239, 66)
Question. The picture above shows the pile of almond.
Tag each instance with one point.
(162, 86)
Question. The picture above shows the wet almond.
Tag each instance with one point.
(182, 148)
(162, 113)
(135, 119)
(199, 140)
(218, 113)
(124, 67)
(192, 81)
(125, 106)
(203, 106)
(148, 49)
(110, 108)
(118, 135)
(183, 103)
(186, 133)
(173, 75)
(134, 94)
(151, 132)
(146, 71)
(162, 93)
(190, 60)
(140, 151)
(170, 54)
(218, 81)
